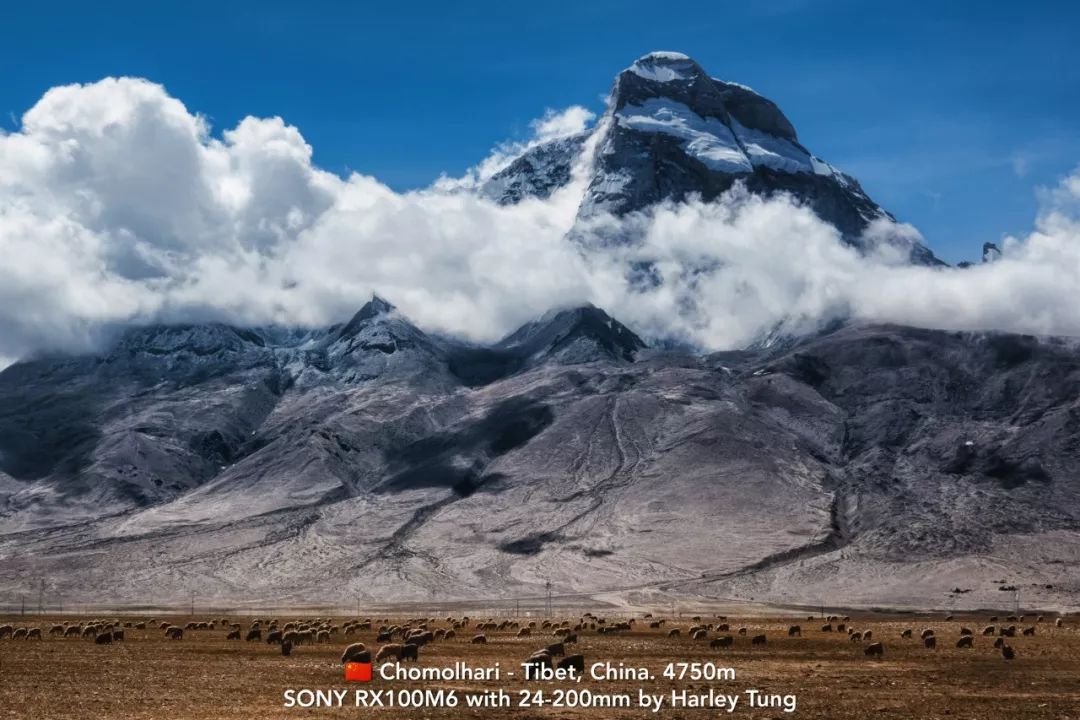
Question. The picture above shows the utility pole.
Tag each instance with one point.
(193, 604)
(547, 607)
(22, 601)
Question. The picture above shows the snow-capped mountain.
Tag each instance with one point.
(864, 465)
(672, 131)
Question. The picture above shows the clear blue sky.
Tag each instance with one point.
(951, 114)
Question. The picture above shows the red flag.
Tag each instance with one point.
(358, 672)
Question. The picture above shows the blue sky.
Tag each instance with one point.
(951, 117)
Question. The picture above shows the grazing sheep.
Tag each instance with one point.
(826, 628)
(673, 632)
(964, 642)
(286, 648)
(948, 618)
(540, 659)
(1039, 619)
(73, 631)
(410, 651)
(33, 633)
(384, 636)
(117, 635)
(323, 636)
(926, 633)
(140, 626)
(357, 652)
(856, 637)
(794, 630)
(965, 631)
(1029, 631)
(868, 634)
(524, 632)
(56, 630)
(699, 635)
(174, 633)
(993, 618)
(103, 638)
(742, 631)
(1008, 631)
(555, 649)
(989, 630)
(274, 636)
(1007, 652)
(1059, 622)
(252, 634)
(479, 639)
(577, 662)
(841, 627)
(874, 649)
(999, 642)
(757, 640)
(233, 635)
(929, 642)
(389, 651)
(89, 631)
(723, 627)
(450, 635)
(906, 634)
(726, 641)
(19, 634)
(7, 630)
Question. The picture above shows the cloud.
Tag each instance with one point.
(120, 205)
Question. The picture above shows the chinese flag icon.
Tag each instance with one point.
(358, 672)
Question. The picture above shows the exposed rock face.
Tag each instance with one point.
(866, 465)
(536, 173)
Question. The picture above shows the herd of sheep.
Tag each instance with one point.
(402, 641)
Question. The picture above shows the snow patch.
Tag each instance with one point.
(706, 139)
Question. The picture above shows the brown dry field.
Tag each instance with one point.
(204, 676)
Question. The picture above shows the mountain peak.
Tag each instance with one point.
(662, 66)
(372, 309)
(574, 335)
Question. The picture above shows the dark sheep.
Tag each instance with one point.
(384, 636)
(252, 634)
(56, 630)
(930, 642)
(742, 631)
(906, 634)
(274, 636)
(989, 630)
(555, 649)
(1007, 652)
(355, 651)
(233, 635)
(286, 648)
(1029, 630)
(964, 642)
(999, 642)
(19, 634)
(965, 631)
(726, 641)
(450, 635)
(73, 631)
(6, 631)
(868, 634)
(103, 638)
(874, 649)
(524, 632)
(410, 651)
(699, 635)
(117, 635)
(174, 633)
(841, 627)
(1059, 622)
(577, 662)
(794, 630)
(479, 639)
(757, 640)
(926, 633)
(674, 632)
(827, 627)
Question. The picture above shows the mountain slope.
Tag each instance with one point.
(823, 471)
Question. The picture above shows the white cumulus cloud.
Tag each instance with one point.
(118, 204)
